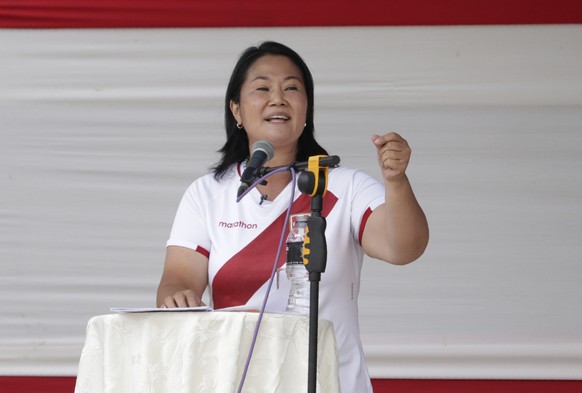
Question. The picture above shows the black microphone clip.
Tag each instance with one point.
(327, 161)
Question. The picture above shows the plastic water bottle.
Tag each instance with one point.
(297, 273)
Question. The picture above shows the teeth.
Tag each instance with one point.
(279, 117)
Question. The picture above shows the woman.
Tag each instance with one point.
(231, 246)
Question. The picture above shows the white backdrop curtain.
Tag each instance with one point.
(101, 131)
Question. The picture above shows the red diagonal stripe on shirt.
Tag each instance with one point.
(251, 267)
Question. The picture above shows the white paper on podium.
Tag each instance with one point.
(156, 309)
(199, 308)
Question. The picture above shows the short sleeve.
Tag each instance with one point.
(190, 223)
(367, 195)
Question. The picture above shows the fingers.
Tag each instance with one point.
(380, 140)
(393, 154)
(185, 298)
(391, 142)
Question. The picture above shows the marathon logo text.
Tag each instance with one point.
(237, 224)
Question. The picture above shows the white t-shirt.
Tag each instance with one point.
(241, 242)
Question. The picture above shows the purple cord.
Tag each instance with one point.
(281, 240)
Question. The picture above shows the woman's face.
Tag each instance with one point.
(273, 102)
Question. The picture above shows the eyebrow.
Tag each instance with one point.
(265, 78)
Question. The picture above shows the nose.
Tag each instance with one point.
(277, 97)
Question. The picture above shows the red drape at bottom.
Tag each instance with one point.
(67, 385)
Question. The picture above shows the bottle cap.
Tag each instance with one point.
(302, 218)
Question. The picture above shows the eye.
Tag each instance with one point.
(292, 87)
(263, 88)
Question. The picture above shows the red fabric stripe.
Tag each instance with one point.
(363, 224)
(250, 268)
(37, 384)
(474, 386)
(263, 13)
(67, 385)
(203, 251)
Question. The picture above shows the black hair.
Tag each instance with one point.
(236, 147)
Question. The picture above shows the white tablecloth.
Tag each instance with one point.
(183, 352)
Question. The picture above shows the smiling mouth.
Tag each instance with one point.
(277, 118)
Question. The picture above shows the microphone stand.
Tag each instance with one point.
(316, 224)
(314, 182)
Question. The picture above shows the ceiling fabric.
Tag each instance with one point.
(261, 13)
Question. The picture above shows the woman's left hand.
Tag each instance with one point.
(393, 155)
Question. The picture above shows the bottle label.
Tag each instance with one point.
(295, 253)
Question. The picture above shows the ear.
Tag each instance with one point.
(235, 109)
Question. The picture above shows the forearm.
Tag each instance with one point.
(406, 228)
(397, 231)
(184, 279)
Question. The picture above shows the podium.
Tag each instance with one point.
(195, 352)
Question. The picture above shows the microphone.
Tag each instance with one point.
(262, 152)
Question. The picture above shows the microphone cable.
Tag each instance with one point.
(274, 271)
